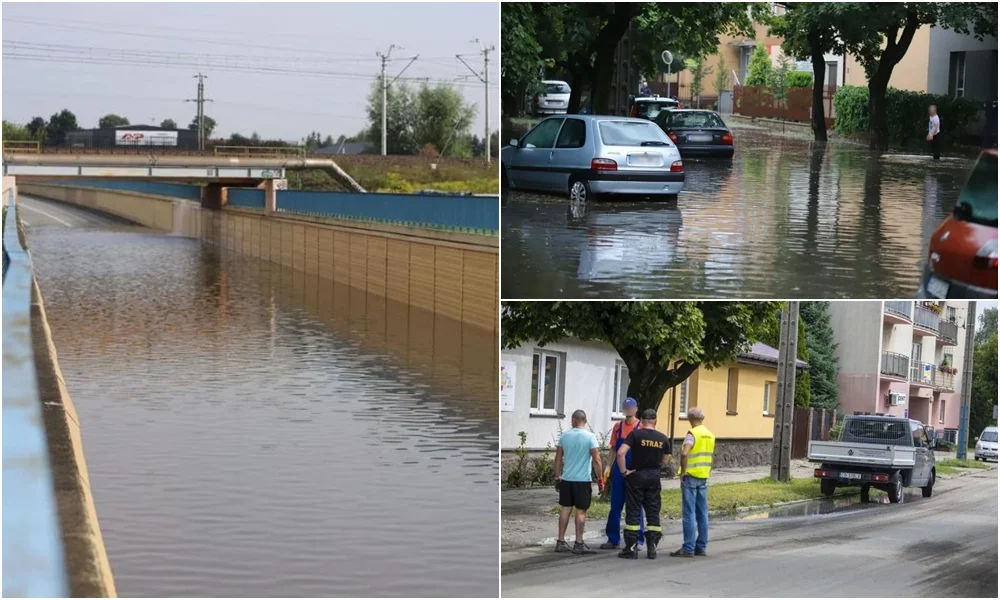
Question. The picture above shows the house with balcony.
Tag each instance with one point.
(902, 358)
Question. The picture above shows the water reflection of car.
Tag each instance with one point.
(589, 155)
(649, 107)
(697, 132)
(554, 100)
(962, 254)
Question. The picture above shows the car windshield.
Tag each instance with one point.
(989, 436)
(649, 110)
(877, 431)
(556, 88)
(630, 133)
(694, 119)
(980, 192)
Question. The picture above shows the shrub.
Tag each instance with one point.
(799, 79)
(906, 112)
(759, 70)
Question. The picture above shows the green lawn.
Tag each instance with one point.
(962, 464)
(728, 497)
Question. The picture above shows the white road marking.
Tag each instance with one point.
(42, 212)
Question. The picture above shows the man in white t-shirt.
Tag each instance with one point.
(933, 130)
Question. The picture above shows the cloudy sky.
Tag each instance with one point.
(281, 70)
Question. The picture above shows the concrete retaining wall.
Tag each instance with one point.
(88, 569)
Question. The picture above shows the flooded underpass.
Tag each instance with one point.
(784, 218)
(252, 431)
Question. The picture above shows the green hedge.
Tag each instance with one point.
(799, 79)
(906, 111)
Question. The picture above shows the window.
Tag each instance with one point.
(956, 75)
(573, 134)
(543, 135)
(556, 87)
(693, 119)
(546, 371)
(769, 389)
(951, 314)
(631, 133)
(941, 413)
(683, 395)
(976, 195)
(731, 391)
(620, 391)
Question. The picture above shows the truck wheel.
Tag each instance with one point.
(827, 486)
(928, 489)
(896, 488)
(865, 489)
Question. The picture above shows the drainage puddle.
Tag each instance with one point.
(823, 506)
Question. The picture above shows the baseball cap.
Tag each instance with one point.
(649, 413)
(630, 403)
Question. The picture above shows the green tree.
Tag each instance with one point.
(779, 79)
(399, 118)
(37, 127)
(699, 70)
(168, 124)
(442, 118)
(772, 337)
(880, 33)
(111, 121)
(722, 76)
(661, 343)
(59, 125)
(12, 132)
(984, 374)
(824, 366)
(521, 66)
(759, 69)
(209, 125)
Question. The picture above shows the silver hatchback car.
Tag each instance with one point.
(589, 155)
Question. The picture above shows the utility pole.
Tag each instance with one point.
(485, 78)
(201, 100)
(385, 86)
(967, 362)
(788, 341)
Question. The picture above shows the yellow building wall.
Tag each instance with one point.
(708, 390)
(909, 74)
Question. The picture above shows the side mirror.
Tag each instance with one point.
(513, 143)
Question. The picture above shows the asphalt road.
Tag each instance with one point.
(37, 212)
(943, 546)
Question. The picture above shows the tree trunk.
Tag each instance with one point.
(649, 382)
(818, 109)
(604, 55)
(575, 94)
(878, 120)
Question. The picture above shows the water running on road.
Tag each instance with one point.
(251, 431)
(785, 218)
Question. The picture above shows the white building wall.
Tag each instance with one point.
(588, 377)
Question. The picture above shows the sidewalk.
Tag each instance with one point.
(526, 520)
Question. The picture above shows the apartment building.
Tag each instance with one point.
(902, 358)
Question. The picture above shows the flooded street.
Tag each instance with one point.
(253, 431)
(785, 218)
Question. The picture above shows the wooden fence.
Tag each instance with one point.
(810, 424)
(758, 101)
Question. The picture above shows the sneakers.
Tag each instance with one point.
(562, 546)
(700, 553)
(608, 546)
(582, 548)
(682, 553)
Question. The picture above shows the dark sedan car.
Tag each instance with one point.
(697, 132)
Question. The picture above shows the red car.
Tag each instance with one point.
(962, 254)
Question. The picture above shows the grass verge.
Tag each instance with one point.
(405, 174)
(728, 497)
(961, 464)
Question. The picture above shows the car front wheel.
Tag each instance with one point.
(579, 191)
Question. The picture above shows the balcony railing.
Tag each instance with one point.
(944, 381)
(926, 318)
(901, 308)
(948, 332)
(895, 365)
(922, 373)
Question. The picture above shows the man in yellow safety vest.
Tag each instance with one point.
(696, 464)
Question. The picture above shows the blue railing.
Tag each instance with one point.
(473, 214)
(245, 198)
(33, 560)
(174, 190)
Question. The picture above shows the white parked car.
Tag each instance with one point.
(986, 445)
(554, 100)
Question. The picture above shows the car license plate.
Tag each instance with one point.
(699, 138)
(850, 475)
(937, 288)
(645, 160)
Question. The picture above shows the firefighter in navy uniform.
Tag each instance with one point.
(650, 451)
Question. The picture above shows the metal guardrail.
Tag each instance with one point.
(895, 364)
(900, 308)
(34, 563)
(21, 147)
(925, 318)
(260, 151)
(948, 332)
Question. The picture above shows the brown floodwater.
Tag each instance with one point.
(252, 431)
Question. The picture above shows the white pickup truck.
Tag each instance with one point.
(887, 453)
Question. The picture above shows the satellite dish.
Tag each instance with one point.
(667, 57)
